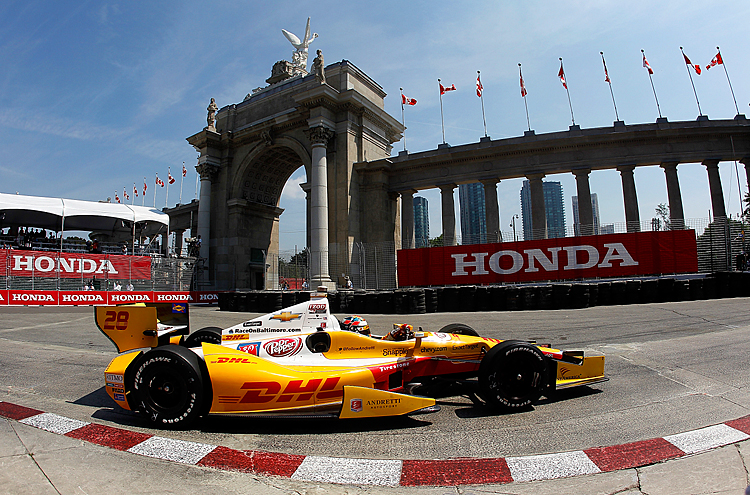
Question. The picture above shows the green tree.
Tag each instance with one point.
(437, 241)
(662, 213)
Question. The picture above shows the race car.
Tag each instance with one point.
(302, 362)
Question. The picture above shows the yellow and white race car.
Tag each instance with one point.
(301, 361)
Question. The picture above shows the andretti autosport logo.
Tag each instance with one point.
(355, 405)
(283, 347)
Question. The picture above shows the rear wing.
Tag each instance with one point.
(142, 325)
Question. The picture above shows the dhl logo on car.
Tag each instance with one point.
(236, 336)
(294, 391)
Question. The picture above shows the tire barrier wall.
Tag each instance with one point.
(471, 298)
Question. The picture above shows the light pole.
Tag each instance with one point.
(513, 224)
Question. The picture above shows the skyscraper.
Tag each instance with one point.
(421, 222)
(595, 211)
(553, 206)
(473, 218)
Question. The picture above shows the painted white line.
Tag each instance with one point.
(706, 438)
(349, 471)
(172, 450)
(54, 423)
(550, 466)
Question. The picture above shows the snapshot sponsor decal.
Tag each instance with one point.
(613, 255)
(283, 347)
(396, 351)
(250, 348)
(75, 265)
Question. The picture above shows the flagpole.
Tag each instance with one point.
(658, 109)
(442, 122)
(182, 179)
(700, 114)
(132, 200)
(568, 91)
(155, 184)
(143, 201)
(528, 123)
(402, 116)
(617, 117)
(481, 97)
(730, 82)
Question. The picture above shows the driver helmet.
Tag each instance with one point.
(401, 331)
(356, 324)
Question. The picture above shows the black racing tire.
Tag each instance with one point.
(210, 335)
(513, 375)
(459, 329)
(169, 387)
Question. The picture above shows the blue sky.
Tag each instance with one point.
(95, 96)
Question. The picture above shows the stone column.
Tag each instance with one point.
(449, 214)
(319, 137)
(746, 162)
(632, 217)
(306, 188)
(207, 172)
(585, 210)
(714, 184)
(407, 219)
(178, 242)
(676, 213)
(538, 210)
(491, 210)
(165, 244)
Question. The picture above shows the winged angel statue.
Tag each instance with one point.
(299, 56)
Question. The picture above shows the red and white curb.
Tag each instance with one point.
(383, 472)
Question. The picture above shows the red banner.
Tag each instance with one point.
(22, 263)
(100, 297)
(614, 255)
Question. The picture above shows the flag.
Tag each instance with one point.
(184, 170)
(170, 178)
(646, 65)
(696, 67)
(117, 198)
(159, 182)
(523, 87)
(444, 90)
(561, 75)
(405, 100)
(144, 186)
(606, 74)
(480, 88)
(125, 193)
(135, 190)
(715, 61)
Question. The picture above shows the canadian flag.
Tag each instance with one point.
(647, 65)
(523, 86)
(117, 198)
(561, 75)
(405, 100)
(443, 89)
(125, 193)
(159, 182)
(144, 186)
(170, 178)
(184, 170)
(135, 190)
(480, 88)
(715, 61)
(697, 67)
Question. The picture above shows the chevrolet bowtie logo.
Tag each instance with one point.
(287, 316)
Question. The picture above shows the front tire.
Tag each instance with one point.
(513, 375)
(169, 388)
(210, 335)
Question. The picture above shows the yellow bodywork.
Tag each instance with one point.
(573, 375)
(128, 327)
(114, 377)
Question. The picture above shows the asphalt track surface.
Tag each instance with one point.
(673, 367)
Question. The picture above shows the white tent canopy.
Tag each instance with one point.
(72, 214)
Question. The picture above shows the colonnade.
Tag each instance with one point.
(585, 211)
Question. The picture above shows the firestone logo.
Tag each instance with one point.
(578, 258)
(67, 265)
(283, 347)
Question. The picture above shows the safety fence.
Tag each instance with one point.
(372, 266)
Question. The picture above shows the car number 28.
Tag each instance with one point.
(116, 320)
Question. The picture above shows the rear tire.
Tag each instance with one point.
(513, 375)
(169, 388)
(210, 335)
(459, 329)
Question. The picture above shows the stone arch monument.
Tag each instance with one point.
(325, 124)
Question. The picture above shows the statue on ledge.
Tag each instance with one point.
(299, 56)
